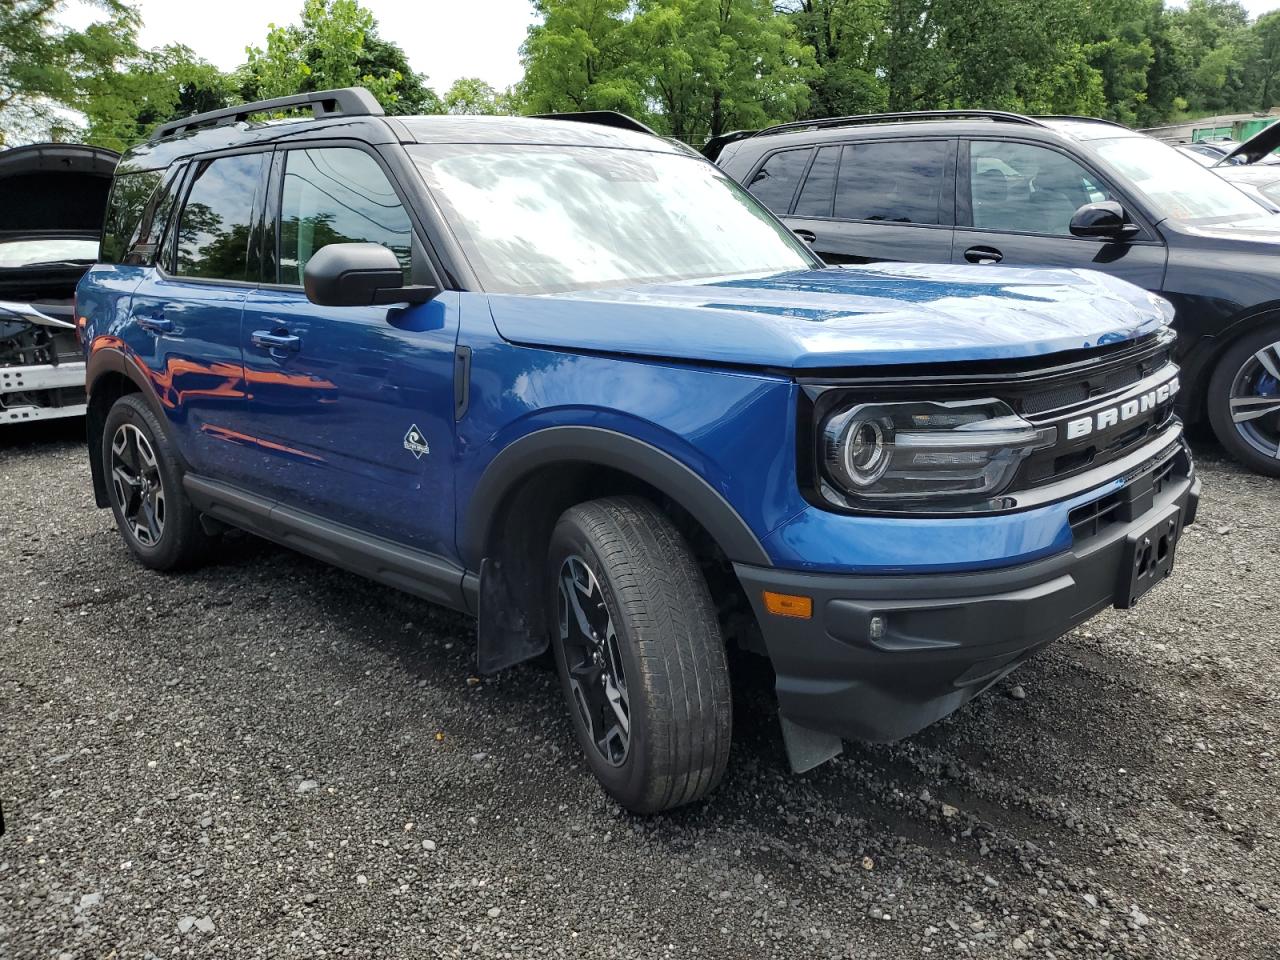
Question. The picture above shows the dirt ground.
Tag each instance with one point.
(271, 758)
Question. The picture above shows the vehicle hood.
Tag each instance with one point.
(1260, 174)
(876, 314)
(54, 188)
(1261, 233)
(1256, 147)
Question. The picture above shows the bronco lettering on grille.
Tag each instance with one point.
(1109, 417)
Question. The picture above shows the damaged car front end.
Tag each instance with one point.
(52, 200)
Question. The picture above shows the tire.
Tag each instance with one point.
(159, 524)
(1245, 380)
(640, 589)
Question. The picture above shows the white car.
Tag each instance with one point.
(52, 200)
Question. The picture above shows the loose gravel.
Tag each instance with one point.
(271, 758)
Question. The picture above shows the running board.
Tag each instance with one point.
(417, 572)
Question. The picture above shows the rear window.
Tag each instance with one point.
(130, 194)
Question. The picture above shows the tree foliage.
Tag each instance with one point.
(335, 44)
(690, 68)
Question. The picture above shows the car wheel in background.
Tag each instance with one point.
(641, 659)
(159, 524)
(1244, 400)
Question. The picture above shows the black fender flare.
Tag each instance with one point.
(1200, 361)
(606, 448)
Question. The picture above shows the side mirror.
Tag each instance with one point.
(359, 275)
(1104, 220)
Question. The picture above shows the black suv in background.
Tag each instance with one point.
(1001, 188)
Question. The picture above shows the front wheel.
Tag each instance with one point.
(641, 659)
(1244, 400)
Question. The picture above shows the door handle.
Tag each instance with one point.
(158, 324)
(276, 341)
(808, 236)
(983, 255)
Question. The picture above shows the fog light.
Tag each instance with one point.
(875, 630)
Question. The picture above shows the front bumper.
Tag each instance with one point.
(28, 379)
(885, 656)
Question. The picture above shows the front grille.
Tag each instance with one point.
(1105, 427)
(1093, 518)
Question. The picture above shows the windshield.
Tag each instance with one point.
(26, 253)
(541, 219)
(1177, 186)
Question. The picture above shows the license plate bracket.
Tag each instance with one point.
(1149, 556)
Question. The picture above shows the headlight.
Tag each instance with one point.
(917, 455)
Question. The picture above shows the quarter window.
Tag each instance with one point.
(1022, 187)
(213, 231)
(894, 181)
(775, 183)
(129, 195)
(338, 195)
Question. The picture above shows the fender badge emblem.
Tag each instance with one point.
(416, 443)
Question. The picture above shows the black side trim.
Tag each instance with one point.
(395, 565)
(606, 448)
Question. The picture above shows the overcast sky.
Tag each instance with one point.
(444, 39)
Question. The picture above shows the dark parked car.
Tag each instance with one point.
(52, 200)
(572, 379)
(998, 188)
(1252, 166)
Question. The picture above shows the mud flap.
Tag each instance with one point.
(807, 748)
(505, 634)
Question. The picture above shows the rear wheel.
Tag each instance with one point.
(641, 660)
(159, 524)
(1244, 400)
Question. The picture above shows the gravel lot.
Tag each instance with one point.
(269, 758)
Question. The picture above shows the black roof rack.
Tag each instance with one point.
(348, 101)
(603, 118)
(999, 115)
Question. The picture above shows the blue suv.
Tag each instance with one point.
(566, 376)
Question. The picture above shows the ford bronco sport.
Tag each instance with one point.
(564, 375)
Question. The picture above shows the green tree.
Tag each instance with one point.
(577, 56)
(842, 35)
(147, 88)
(41, 62)
(1267, 64)
(711, 66)
(335, 44)
(472, 95)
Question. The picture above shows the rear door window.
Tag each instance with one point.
(893, 181)
(819, 188)
(217, 218)
(775, 183)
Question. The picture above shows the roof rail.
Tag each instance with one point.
(1071, 116)
(348, 101)
(866, 118)
(602, 118)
